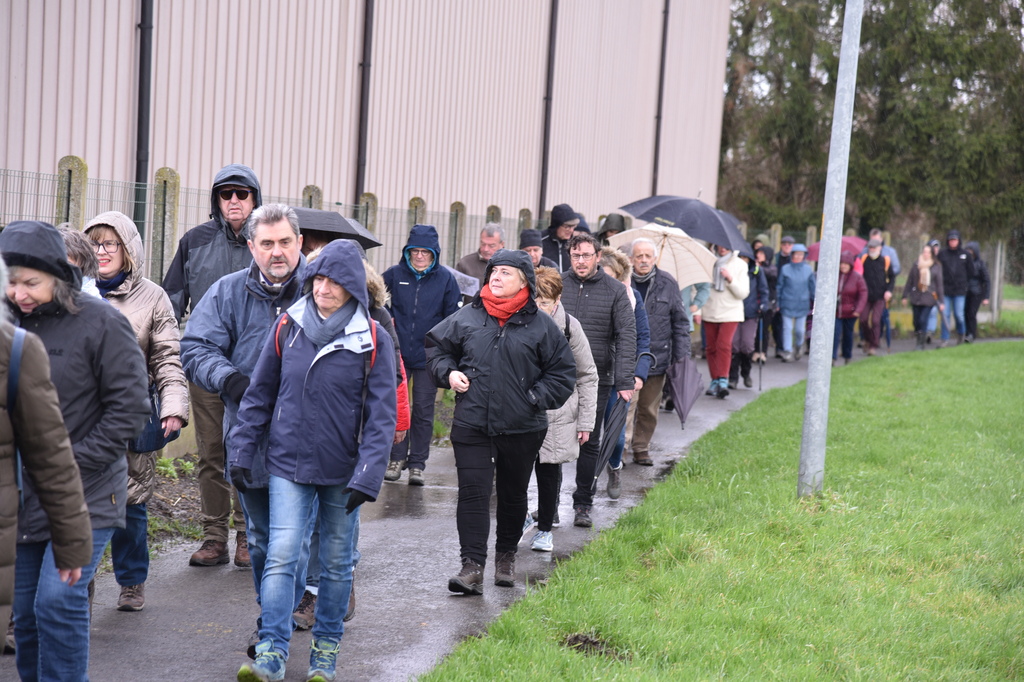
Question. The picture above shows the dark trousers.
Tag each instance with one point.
(549, 482)
(416, 447)
(586, 465)
(777, 330)
(971, 307)
(871, 323)
(844, 336)
(501, 462)
(921, 315)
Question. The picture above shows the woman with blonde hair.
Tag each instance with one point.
(924, 292)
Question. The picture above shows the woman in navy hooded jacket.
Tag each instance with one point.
(323, 393)
(423, 292)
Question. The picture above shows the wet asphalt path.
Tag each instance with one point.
(197, 621)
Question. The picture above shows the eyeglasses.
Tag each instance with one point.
(242, 194)
(580, 257)
(109, 246)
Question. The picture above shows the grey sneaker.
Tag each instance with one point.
(416, 477)
(133, 597)
(505, 569)
(614, 483)
(305, 615)
(582, 516)
(527, 525)
(323, 660)
(543, 541)
(394, 471)
(470, 579)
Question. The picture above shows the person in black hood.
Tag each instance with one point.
(508, 364)
(564, 222)
(206, 253)
(957, 271)
(978, 288)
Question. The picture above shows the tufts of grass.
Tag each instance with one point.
(165, 467)
(907, 566)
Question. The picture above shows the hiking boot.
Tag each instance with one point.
(394, 471)
(734, 384)
(323, 659)
(748, 382)
(305, 615)
(582, 519)
(350, 612)
(133, 597)
(543, 541)
(505, 569)
(470, 579)
(267, 667)
(9, 639)
(798, 353)
(555, 523)
(242, 559)
(416, 477)
(713, 389)
(643, 459)
(919, 337)
(212, 553)
(614, 484)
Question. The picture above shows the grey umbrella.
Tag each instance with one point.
(685, 385)
(613, 425)
(336, 224)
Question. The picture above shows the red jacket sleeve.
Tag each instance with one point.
(403, 402)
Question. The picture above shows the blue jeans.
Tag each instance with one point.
(791, 325)
(129, 550)
(291, 505)
(933, 319)
(844, 335)
(256, 505)
(313, 565)
(51, 620)
(955, 307)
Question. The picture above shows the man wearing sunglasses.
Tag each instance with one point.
(206, 253)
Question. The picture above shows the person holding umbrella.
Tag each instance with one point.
(723, 313)
(509, 364)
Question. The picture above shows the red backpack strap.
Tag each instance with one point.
(277, 333)
(373, 337)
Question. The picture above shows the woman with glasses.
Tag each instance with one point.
(121, 282)
(100, 377)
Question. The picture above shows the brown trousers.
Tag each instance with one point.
(215, 491)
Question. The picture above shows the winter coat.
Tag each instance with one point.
(516, 372)
(852, 292)
(796, 289)
(644, 358)
(152, 318)
(602, 306)
(931, 296)
(328, 414)
(227, 331)
(47, 457)
(211, 250)
(957, 270)
(757, 300)
(420, 300)
(979, 285)
(668, 322)
(556, 250)
(579, 411)
(473, 266)
(727, 305)
(878, 276)
(771, 273)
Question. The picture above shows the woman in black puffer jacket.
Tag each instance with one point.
(508, 364)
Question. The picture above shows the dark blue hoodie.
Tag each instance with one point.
(420, 300)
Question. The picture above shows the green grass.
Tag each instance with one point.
(909, 566)
(1013, 292)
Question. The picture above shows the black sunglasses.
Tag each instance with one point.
(242, 194)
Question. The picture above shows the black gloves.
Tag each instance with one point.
(355, 498)
(235, 385)
(241, 478)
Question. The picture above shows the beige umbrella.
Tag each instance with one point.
(686, 259)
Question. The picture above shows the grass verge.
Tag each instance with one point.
(908, 566)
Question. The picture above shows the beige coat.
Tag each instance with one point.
(147, 307)
(727, 305)
(48, 458)
(578, 413)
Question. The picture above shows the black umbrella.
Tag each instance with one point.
(613, 425)
(336, 224)
(693, 217)
(685, 385)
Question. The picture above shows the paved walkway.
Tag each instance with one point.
(197, 621)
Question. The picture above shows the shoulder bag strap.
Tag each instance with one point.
(13, 374)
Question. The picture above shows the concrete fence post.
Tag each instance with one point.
(493, 214)
(742, 227)
(812, 235)
(525, 221)
(166, 192)
(312, 197)
(368, 211)
(456, 225)
(417, 210)
(74, 176)
(775, 236)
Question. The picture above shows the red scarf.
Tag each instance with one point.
(503, 308)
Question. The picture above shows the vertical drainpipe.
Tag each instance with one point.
(548, 87)
(364, 100)
(142, 126)
(661, 97)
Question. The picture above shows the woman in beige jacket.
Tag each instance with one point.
(121, 282)
(722, 314)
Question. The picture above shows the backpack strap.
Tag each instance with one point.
(13, 375)
(281, 326)
(370, 359)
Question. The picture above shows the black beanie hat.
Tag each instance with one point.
(953, 234)
(530, 238)
(562, 213)
(38, 245)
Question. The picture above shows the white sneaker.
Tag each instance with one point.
(543, 541)
(527, 525)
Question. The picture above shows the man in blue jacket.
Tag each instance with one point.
(226, 332)
(423, 293)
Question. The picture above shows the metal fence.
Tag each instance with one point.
(29, 196)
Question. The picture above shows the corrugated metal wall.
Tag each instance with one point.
(456, 109)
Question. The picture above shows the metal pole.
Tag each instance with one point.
(819, 370)
(549, 85)
(661, 99)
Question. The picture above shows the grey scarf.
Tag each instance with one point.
(717, 280)
(320, 331)
(643, 278)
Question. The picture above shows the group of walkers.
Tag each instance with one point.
(310, 380)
